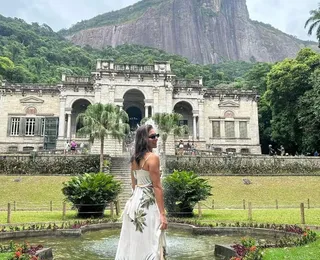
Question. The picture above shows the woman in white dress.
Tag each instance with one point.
(142, 235)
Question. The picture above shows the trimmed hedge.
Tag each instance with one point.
(54, 165)
(229, 165)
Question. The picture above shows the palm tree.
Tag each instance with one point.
(167, 123)
(101, 121)
(315, 23)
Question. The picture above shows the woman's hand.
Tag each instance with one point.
(164, 222)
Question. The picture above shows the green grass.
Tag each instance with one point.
(308, 252)
(36, 216)
(277, 216)
(41, 216)
(32, 191)
(5, 256)
(229, 192)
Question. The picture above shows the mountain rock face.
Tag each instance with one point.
(204, 31)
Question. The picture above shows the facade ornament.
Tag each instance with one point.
(23, 93)
(97, 86)
(155, 77)
(169, 78)
(40, 93)
(62, 88)
(105, 65)
(112, 76)
(169, 87)
(76, 88)
(127, 77)
(236, 97)
(202, 91)
(228, 114)
(176, 91)
(155, 88)
(112, 87)
(221, 97)
(140, 78)
(97, 76)
(189, 91)
(201, 101)
(88, 89)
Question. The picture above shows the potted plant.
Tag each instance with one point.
(182, 190)
(90, 193)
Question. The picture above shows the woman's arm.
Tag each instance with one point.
(154, 170)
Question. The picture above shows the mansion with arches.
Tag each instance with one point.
(43, 117)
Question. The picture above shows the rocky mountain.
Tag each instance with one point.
(204, 31)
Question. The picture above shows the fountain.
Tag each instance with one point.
(96, 245)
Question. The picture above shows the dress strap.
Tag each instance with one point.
(145, 160)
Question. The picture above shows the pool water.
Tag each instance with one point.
(102, 244)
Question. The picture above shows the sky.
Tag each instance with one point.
(288, 16)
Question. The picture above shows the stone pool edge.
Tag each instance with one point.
(221, 250)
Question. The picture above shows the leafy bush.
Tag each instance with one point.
(90, 193)
(182, 190)
(50, 165)
(246, 165)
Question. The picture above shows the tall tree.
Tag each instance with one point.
(167, 123)
(101, 121)
(287, 83)
(309, 116)
(314, 22)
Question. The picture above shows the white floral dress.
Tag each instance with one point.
(141, 237)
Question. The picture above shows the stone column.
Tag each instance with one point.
(97, 92)
(194, 127)
(69, 126)
(156, 98)
(169, 94)
(62, 117)
(151, 108)
(146, 111)
(201, 120)
(222, 129)
(236, 129)
(111, 95)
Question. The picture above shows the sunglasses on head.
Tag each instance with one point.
(154, 136)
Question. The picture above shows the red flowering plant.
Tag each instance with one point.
(21, 251)
(247, 250)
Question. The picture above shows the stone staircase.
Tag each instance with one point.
(120, 169)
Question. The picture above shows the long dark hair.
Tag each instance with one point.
(141, 143)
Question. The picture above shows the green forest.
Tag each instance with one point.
(289, 90)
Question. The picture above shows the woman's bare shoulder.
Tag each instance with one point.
(153, 156)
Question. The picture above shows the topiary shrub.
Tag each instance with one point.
(182, 190)
(90, 193)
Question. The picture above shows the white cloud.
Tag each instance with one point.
(287, 15)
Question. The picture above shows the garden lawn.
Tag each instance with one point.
(41, 216)
(290, 191)
(307, 252)
(5, 256)
(36, 192)
(32, 192)
(277, 216)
